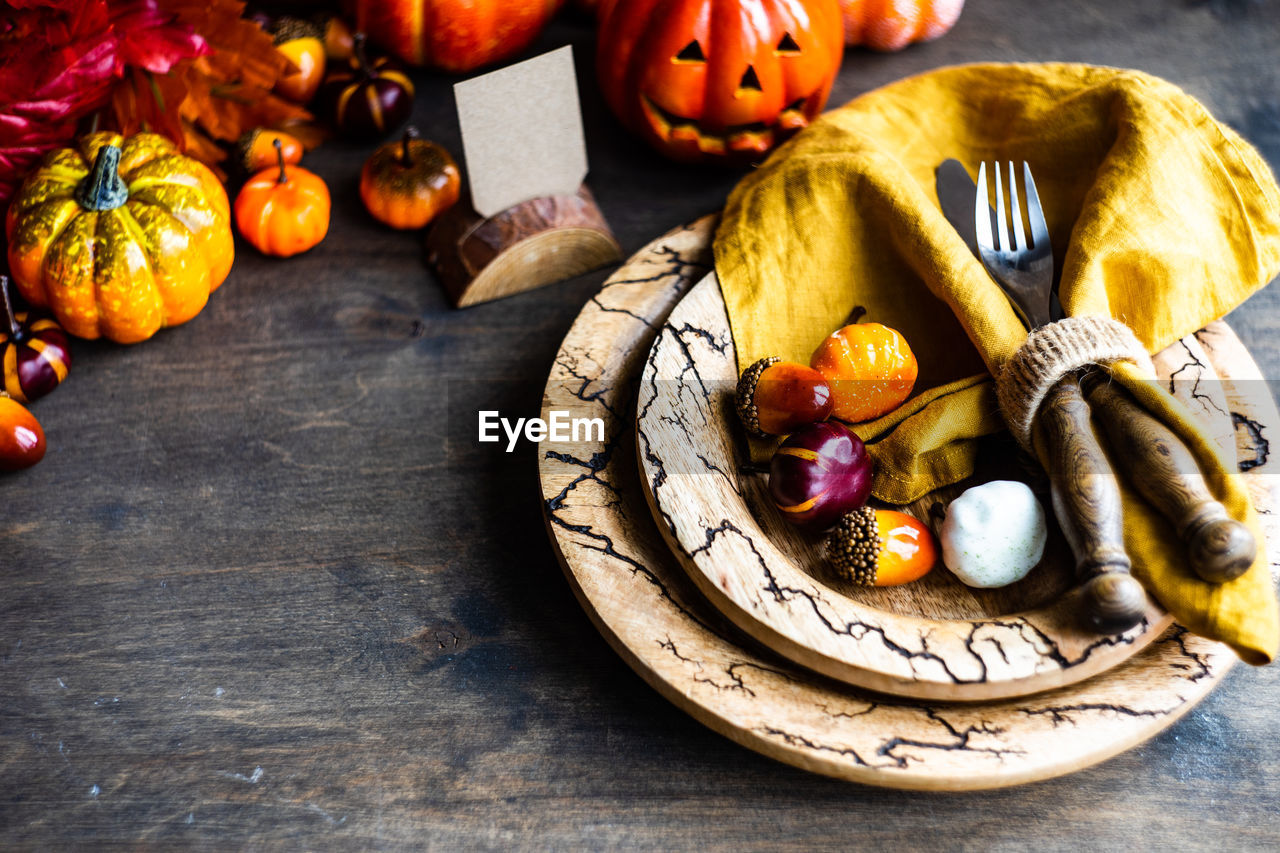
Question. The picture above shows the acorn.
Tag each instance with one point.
(775, 397)
(880, 547)
(335, 34)
(302, 43)
(22, 441)
(34, 351)
(255, 149)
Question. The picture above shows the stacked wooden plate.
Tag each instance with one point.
(683, 566)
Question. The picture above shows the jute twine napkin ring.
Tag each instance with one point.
(1053, 351)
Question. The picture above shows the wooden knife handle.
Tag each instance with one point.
(1086, 500)
(1159, 465)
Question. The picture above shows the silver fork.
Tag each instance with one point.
(1026, 272)
(1086, 497)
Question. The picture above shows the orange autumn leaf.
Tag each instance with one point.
(214, 98)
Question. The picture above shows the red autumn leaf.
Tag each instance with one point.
(58, 61)
(151, 38)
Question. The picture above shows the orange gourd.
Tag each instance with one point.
(870, 368)
(284, 210)
(717, 80)
(894, 24)
(119, 237)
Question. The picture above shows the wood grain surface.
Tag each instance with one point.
(267, 591)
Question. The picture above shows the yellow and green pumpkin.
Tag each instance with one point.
(119, 237)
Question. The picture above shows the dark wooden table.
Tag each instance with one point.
(267, 590)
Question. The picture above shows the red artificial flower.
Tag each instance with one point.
(59, 60)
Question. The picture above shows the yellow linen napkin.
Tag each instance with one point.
(1159, 217)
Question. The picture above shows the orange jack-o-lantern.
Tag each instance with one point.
(718, 80)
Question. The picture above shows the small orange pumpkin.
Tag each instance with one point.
(894, 24)
(870, 369)
(284, 210)
(408, 183)
(120, 248)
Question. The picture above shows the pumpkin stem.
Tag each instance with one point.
(410, 134)
(357, 47)
(275, 143)
(16, 332)
(103, 188)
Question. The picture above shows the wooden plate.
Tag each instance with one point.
(933, 639)
(643, 603)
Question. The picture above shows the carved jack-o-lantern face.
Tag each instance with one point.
(718, 79)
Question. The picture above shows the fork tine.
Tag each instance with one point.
(1002, 229)
(1035, 215)
(1019, 238)
(981, 210)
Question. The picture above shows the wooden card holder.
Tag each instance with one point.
(526, 246)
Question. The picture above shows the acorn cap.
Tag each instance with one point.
(746, 395)
(243, 144)
(288, 29)
(854, 545)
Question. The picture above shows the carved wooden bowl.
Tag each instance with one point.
(932, 639)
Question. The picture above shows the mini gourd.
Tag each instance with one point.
(34, 353)
(408, 183)
(119, 237)
(366, 100)
(284, 210)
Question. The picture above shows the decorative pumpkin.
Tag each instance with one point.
(367, 100)
(453, 35)
(894, 24)
(284, 210)
(870, 368)
(124, 247)
(34, 353)
(301, 43)
(256, 149)
(21, 437)
(406, 184)
(718, 80)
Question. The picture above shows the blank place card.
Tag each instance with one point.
(522, 132)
